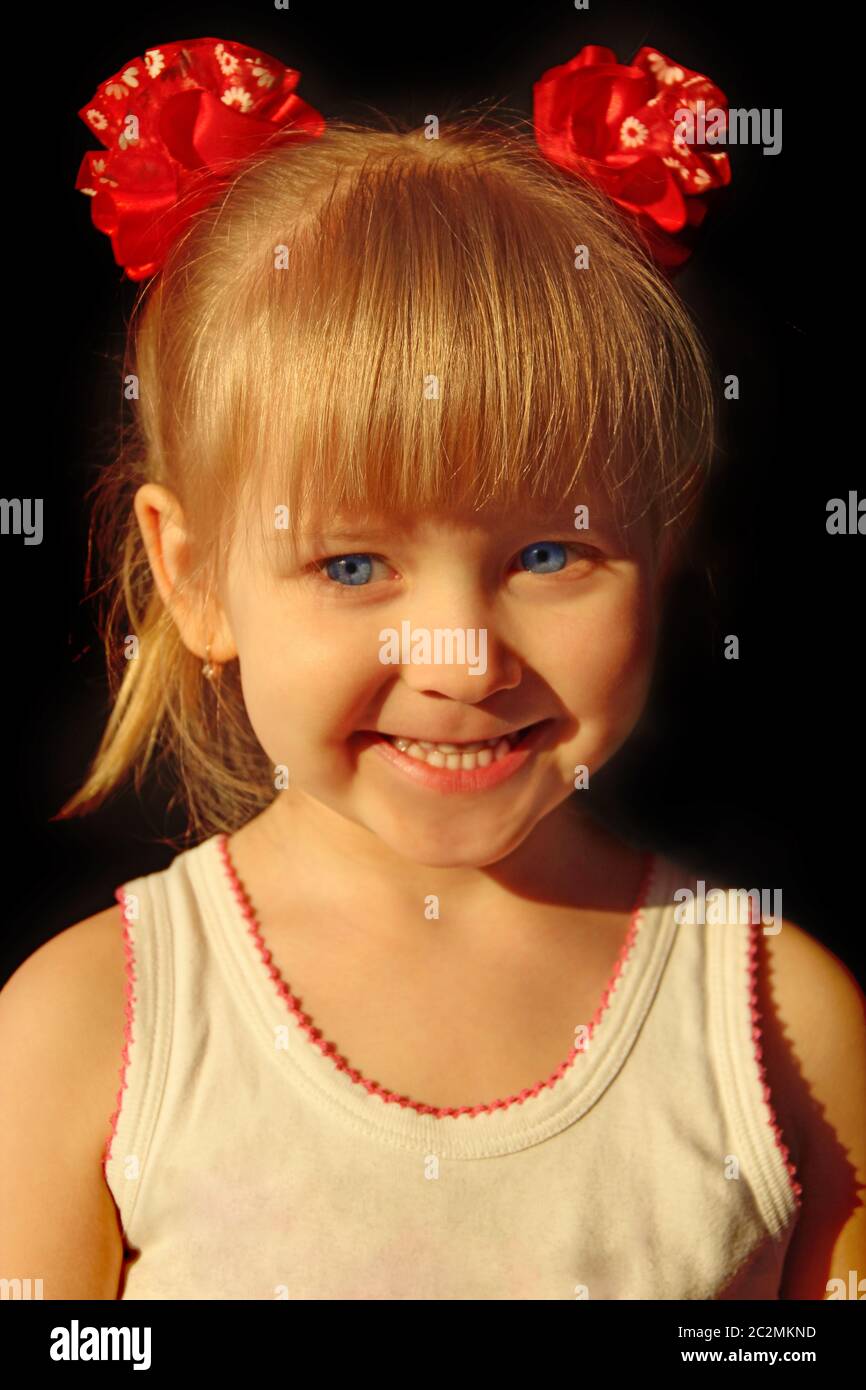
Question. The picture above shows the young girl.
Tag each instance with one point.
(421, 427)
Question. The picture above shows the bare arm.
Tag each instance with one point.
(815, 1053)
(61, 1034)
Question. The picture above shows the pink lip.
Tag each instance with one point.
(445, 779)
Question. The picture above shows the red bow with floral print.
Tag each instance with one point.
(175, 125)
(177, 122)
(616, 124)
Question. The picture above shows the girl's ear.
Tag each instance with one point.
(166, 539)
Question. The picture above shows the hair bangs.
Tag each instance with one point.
(427, 341)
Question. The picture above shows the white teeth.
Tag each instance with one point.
(448, 748)
(453, 756)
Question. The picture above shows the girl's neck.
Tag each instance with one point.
(302, 850)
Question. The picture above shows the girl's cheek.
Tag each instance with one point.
(302, 679)
(610, 662)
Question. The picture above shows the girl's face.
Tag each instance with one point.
(496, 622)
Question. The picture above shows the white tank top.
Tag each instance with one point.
(249, 1160)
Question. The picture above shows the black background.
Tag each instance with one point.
(748, 769)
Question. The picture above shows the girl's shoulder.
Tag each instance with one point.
(814, 1046)
(812, 1017)
(71, 993)
(815, 1023)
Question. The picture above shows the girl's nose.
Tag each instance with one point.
(466, 664)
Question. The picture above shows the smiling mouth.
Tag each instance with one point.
(466, 756)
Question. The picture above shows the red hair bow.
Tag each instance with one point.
(616, 125)
(200, 107)
(177, 123)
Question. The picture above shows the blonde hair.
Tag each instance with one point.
(430, 344)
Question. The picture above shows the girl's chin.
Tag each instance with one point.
(449, 837)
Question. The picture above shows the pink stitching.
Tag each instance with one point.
(796, 1186)
(129, 1002)
(329, 1049)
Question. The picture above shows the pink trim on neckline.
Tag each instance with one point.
(128, 1008)
(314, 1034)
(757, 1031)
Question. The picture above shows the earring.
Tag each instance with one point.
(209, 670)
(212, 672)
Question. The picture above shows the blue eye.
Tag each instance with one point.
(354, 569)
(551, 555)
